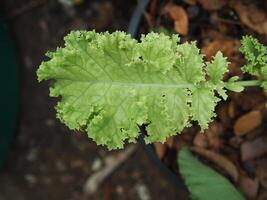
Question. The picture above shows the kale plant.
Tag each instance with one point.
(109, 84)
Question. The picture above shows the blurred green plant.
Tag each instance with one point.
(203, 182)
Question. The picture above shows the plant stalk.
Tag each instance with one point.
(249, 83)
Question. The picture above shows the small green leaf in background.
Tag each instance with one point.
(203, 182)
(255, 54)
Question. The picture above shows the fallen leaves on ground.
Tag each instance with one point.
(249, 186)
(169, 142)
(179, 16)
(212, 4)
(247, 122)
(254, 148)
(201, 140)
(262, 174)
(210, 138)
(254, 99)
(160, 149)
(229, 48)
(251, 16)
(219, 160)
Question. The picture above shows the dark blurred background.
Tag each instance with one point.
(45, 159)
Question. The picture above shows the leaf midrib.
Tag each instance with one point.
(134, 84)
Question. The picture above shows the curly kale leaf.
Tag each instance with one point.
(109, 84)
(256, 56)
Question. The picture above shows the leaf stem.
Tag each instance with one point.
(249, 83)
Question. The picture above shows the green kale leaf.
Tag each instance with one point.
(109, 84)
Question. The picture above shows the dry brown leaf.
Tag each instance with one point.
(232, 109)
(179, 15)
(255, 133)
(219, 160)
(169, 142)
(228, 47)
(255, 98)
(261, 174)
(201, 140)
(249, 186)
(212, 4)
(190, 2)
(160, 149)
(210, 138)
(247, 122)
(254, 149)
(251, 16)
(209, 35)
